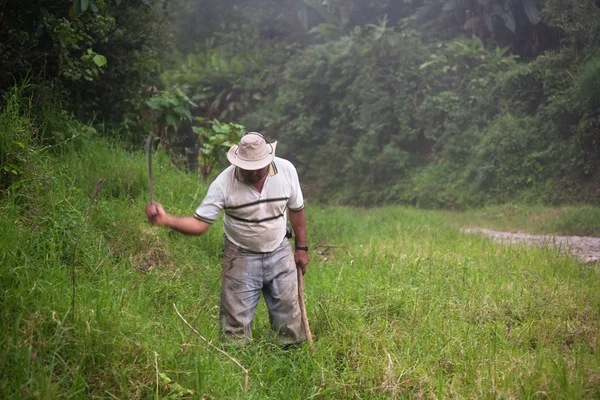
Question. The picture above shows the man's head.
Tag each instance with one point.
(255, 175)
(253, 153)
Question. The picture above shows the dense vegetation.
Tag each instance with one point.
(401, 303)
(436, 103)
(432, 103)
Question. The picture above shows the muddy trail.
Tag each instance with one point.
(585, 248)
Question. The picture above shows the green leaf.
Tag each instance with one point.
(172, 120)
(11, 168)
(488, 22)
(154, 103)
(449, 5)
(223, 66)
(471, 23)
(533, 13)
(303, 14)
(99, 60)
(509, 20)
(84, 5)
(182, 111)
(165, 378)
(181, 391)
(477, 43)
(324, 12)
(428, 64)
(93, 6)
(180, 93)
(218, 128)
(328, 29)
(77, 7)
(236, 66)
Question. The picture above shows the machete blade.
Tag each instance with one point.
(149, 162)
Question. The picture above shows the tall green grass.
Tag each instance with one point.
(16, 129)
(401, 303)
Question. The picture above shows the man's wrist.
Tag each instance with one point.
(166, 221)
(302, 248)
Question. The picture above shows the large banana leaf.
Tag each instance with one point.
(453, 5)
(303, 14)
(507, 16)
(324, 12)
(532, 11)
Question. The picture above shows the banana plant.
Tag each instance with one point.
(82, 6)
(170, 108)
(489, 12)
(215, 138)
(326, 14)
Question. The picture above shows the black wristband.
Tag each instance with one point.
(303, 248)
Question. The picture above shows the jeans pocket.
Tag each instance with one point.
(230, 255)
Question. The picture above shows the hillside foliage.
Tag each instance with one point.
(427, 103)
(435, 103)
(401, 302)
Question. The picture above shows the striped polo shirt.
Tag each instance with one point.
(253, 220)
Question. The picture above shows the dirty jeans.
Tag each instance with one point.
(246, 275)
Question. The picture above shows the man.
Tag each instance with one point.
(255, 192)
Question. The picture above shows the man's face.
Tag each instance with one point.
(255, 176)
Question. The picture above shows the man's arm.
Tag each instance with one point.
(186, 225)
(298, 221)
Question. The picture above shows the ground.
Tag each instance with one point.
(585, 248)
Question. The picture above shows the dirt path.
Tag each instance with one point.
(585, 248)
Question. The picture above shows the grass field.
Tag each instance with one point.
(401, 303)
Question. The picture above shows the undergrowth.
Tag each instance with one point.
(401, 303)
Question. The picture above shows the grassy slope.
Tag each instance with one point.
(405, 305)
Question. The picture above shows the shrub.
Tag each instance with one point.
(16, 132)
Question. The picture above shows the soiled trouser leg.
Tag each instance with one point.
(280, 291)
(240, 292)
(245, 275)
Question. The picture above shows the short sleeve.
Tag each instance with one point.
(296, 200)
(212, 204)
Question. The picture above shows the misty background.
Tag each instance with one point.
(433, 103)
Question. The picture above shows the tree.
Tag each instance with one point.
(100, 54)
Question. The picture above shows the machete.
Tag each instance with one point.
(149, 161)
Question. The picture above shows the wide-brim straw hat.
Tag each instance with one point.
(253, 152)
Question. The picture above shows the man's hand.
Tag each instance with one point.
(301, 259)
(156, 213)
(186, 225)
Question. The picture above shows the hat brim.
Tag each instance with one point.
(233, 158)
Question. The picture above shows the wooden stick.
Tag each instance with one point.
(216, 348)
(303, 310)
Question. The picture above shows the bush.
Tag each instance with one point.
(17, 131)
(513, 156)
